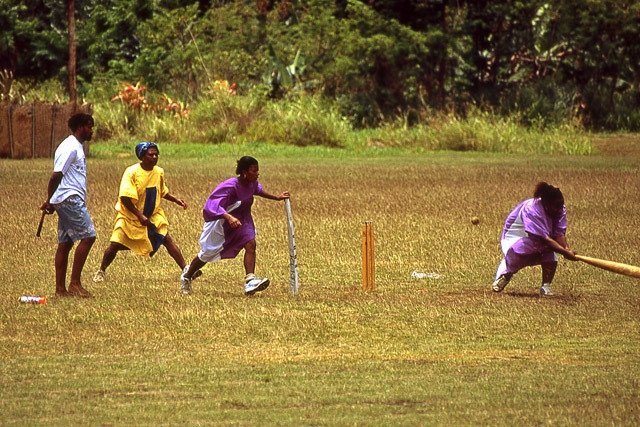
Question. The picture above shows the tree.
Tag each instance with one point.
(71, 5)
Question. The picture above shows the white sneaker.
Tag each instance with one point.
(253, 284)
(99, 276)
(500, 283)
(185, 284)
(546, 291)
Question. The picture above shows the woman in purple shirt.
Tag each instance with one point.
(229, 227)
(534, 233)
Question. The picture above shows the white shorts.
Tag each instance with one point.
(212, 238)
(211, 241)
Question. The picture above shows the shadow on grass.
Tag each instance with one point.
(568, 299)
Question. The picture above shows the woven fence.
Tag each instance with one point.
(36, 130)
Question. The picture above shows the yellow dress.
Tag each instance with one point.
(146, 189)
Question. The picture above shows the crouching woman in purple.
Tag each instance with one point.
(534, 233)
(229, 227)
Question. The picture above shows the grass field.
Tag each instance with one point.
(444, 351)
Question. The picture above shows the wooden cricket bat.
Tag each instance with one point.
(41, 222)
(293, 257)
(615, 267)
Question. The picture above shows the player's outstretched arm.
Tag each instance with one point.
(266, 195)
(170, 197)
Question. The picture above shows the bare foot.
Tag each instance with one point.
(77, 290)
(62, 293)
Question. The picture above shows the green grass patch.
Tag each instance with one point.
(307, 121)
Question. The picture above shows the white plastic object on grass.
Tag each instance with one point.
(33, 300)
(417, 275)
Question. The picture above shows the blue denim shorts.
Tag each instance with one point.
(74, 222)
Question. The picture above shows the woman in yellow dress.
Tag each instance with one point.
(141, 224)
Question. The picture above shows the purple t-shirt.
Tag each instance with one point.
(225, 195)
(529, 218)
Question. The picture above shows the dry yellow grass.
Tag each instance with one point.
(431, 351)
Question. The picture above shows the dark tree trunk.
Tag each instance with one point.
(71, 6)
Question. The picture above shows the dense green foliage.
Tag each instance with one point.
(542, 61)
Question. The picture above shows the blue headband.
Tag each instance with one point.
(143, 147)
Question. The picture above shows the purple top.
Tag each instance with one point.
(227, 193)
(221, 199)
(529, 218)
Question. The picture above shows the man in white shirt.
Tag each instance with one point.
(67, 191)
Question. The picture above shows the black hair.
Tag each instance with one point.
(80, 119)
(548, 193)
(244, 163)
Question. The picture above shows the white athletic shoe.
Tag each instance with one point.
(99, 276)
(185, 284)
(500, 283)
(546, 291)
(253, 284)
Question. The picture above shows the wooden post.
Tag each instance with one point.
(10, 110)
(368, 263)
(33, 130)
(53, 130)
(71, 5)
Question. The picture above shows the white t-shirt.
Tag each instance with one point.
(71, 162)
